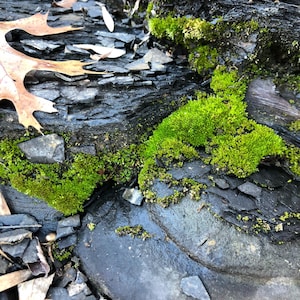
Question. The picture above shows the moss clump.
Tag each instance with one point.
(133, 231)
(64, 186)
(220, 124)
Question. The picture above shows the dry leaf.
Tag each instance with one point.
(106, 51)
(10, 280)
(64, 3)
(14, 66)
(35, 289)
(4, 209)
(107, 18)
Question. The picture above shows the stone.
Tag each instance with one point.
(44, 149)
(193, 286)
(30, 254)
(16, 250)
(134, 196)
(67, 241)
(222, 183)
(138, 65)
(250, 189)
(72, 221)
(156, 56)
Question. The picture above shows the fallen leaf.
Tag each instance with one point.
(64, 3)
(35, 289)
(14, 66)
(109, 52)
(4, 209)
(107, 18)
(10, 280)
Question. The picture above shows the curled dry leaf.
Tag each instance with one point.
(14, 66)
(105, 51)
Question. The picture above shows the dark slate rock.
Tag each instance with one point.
(220, 246)
(250, 189)
(195, 169)
(122, 36)
(30, 254)
(44, 149)
(79, 94)
(3, 265)
(138, 65)
(58, 293)
(16, 250)
(192, 286)
(232, 199)
(68, 241)
(68, 276)
(64, 231)
(40, 210)
(154, 268)
(222, 183)
(72, 221)
(19, 221)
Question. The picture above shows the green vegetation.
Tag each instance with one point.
(217, 122)
(133, 231)
(65, 186)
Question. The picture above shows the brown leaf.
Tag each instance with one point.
(35, 289)
(10, 280)
(64, 3)
(14, 66)
(4, 209)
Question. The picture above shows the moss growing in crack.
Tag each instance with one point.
(134, 231)
(65, 186)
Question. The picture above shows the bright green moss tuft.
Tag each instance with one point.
(65, 186)
(219, 123)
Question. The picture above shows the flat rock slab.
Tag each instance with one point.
(130, 268)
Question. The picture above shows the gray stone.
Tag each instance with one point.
(72, 221)
(138, 65)
(134, 196)
(19, 221)
(64, 231)
(16, 250)
(122, 36)
(30, 254)
(193, 286)
(156, 56)
(222, 183)
(250, 189)
(3, 265)
(44, 149)
(79, 93)
(67, 241)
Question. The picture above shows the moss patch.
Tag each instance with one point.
(65, 186)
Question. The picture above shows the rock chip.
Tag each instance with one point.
(134, 196)
(44, 149)
(193, 286)
(250, 189)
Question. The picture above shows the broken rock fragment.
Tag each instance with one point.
(44, 149)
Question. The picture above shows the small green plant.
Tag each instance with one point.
(134, 231)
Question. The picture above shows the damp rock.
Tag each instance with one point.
(193, 286)
(222, 183)
(134, 196)
(138, 65)
(250, 189)
(44, 149)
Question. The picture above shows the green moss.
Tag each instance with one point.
(62, 254)
(295, 126)
(293, 155)
(218, 122)
(133, 231)
(65, 186)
